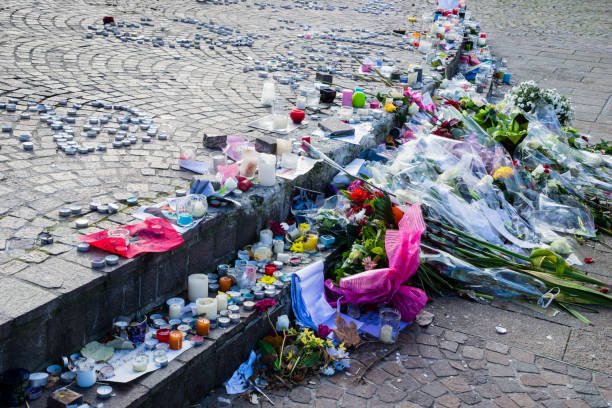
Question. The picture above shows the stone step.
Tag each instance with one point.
(53, 308)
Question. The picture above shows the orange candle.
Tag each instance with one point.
(225, 283)
(202, 326)
(176, 340)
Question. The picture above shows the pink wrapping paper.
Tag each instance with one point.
(385, 285)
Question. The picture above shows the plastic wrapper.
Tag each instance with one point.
(491, 281)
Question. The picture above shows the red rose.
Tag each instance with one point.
(359, 195)
(369, 210)
(323, 331)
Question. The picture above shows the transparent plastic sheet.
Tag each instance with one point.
(561, 218)
(491, 281)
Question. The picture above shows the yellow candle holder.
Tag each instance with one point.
(310, 245)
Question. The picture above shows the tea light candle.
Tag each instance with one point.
(224, 321)
(207, 306)
(150, 343)
(82, 223)
(104, 391)
(233, 308)
(347, 97)
(203, 326)
(248, 305)
(197, 286)
(163, 346)
(176, 340)
(64, 212)
(234, 318)
(197, 341)
(221, 301)
(111, 260)
(311, 242)
(98, 263)
(184, 328)
(160, 357)
(270, 292)
(174, 311)
(83, 247)
(279, 266)
(140, 363)
(269, 269)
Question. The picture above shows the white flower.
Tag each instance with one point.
(561, 246)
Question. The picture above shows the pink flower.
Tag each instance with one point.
(323, 331)
(368, 263)
(263, 305)
(354, 184)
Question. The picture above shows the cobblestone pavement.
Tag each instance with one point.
(559, 44)
(445, 368)
(46, 57)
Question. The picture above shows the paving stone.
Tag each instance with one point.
(456, 384)
(414, 362)
(555, 378)
(505, 402)
(449, 345)
(579, 373)
(300, 395)
(390, 394)
(435, 389)
(442, 369)
(497, 370)
(523, 400)
(427, 339)
(362, 390)
(584, 387)
(448, 401)
(421, 399)
(551, 365)
(353, 401)
(394, 368)
(469, 397)
(532, 380)
(507, 385)
(525, 367)
(455, 336)
(498, 347)
(473, 352)
(497, 358)
(329, 391)
(489, 390)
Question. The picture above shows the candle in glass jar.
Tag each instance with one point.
(225, 283)
(163, 335)
(269, 269)
(202, 326)
(283, 146)
(176, 340)
(310, 245)
(249, 163)
(267, 93)
(347, 97)
(197, 286)
(140, 362)
(386, 334)
(174, 311)
(279, 246)
(221, 302)
(267, 169)
(206, 307)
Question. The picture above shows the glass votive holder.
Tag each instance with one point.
(389, 325)
(310, 243)
(184, 212)
(120, 237)
(187, 153)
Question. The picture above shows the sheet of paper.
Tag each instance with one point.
(122, 361)
(305, 164)
(195, 166)
(361, 130)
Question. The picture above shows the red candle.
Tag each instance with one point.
(163, 335)
(270, 269)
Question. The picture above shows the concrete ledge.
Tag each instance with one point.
(194, 373)
(76, 304)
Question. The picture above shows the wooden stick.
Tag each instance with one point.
(373, 363)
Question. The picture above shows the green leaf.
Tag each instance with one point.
(311, 360)
(266, 348)
(539, 256)
(377, 250)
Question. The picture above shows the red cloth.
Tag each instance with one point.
(152, 235)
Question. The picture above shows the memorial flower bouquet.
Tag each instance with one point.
(527, 96)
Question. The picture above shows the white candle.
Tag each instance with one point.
(280, 121)
(267, 93)
(386, 334)
(267, 169)
(221, 301)
(198, 286)
(283, 146)
(279, 246)
(174, 311)
(283, 257)
(207, 307)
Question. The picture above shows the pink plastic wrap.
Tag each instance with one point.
(385, 285)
